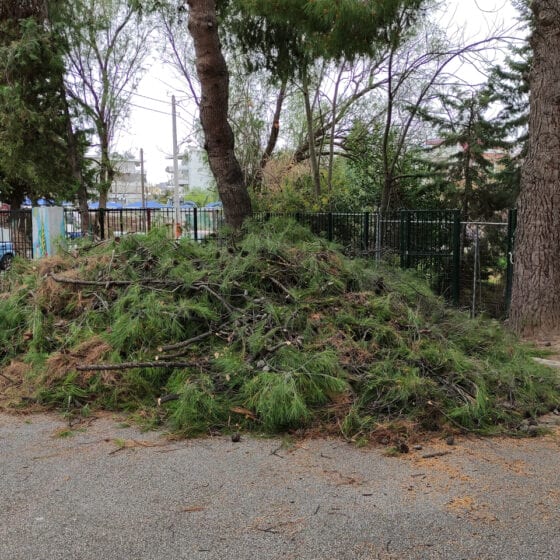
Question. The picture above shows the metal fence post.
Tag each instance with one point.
(378, 240)
(456, 272)
(403, 233)
(366, 231)
(195, 224)
(476, 269)
(330, 227)
(512, 225)
(101, 214)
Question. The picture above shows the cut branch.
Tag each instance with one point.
(107, 283)
(133, 365)
(199, 286)
(185, 343)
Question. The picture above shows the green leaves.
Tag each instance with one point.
(283, 36)
(33, 157)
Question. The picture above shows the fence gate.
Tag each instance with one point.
(430, 240)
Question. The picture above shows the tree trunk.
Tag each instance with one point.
(387, 203)
(106, 170)
(468, 180)
(75, 163)
(333, 130)
(535, 306)
(213, 75)
(311, 135)
(272, 138)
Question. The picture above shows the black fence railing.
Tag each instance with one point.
(15, 229)
(469, 263)
(194, 223)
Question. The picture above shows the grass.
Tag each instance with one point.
(301, 338)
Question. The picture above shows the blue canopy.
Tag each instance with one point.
(110, 205)
(45, 202)
(40, 202)
(153, 204)
(189, 204)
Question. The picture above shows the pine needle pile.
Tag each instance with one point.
(278, 332)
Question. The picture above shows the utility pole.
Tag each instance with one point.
(176, 170)
(142, 187)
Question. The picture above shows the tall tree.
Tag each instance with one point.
(285, 38)
(255, 102)
(535, 306)
(468, 153)
(214, 101)
(289, 37)
(108, 45)
(33, 142)
(508, 91)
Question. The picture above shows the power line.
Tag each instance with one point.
(149, 109)
(165, 102)
(161, 112)
(132, 92)
(148, 97)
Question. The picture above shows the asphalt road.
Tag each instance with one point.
(112, 493)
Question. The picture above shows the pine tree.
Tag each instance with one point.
(535, 306)
(33, 142)
(508, 89)
(467, 154)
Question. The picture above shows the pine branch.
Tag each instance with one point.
(107, 283)
(133, 365)
(185, 343)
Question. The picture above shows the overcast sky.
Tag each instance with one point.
(150, 124)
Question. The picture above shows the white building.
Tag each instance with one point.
(127, 186)
(194, 172)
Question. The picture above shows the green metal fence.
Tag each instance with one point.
(430, 242)
(468, 263)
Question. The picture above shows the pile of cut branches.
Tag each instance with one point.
(278, 332)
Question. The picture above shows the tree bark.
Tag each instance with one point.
(75, 163)
(387, 201)
(106, 168)
(272, 138)
(333, 129)
(213, 75)
(311, 135)
(535, 306)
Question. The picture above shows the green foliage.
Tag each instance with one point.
(365, 172)
(283, 396)
(508, 89)
(286, 36)
(13, 320)
(107, 43)
(142, 320)
(283, 332)
(197, 409)
(63, 393)
(462, 163)
(33, 150)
